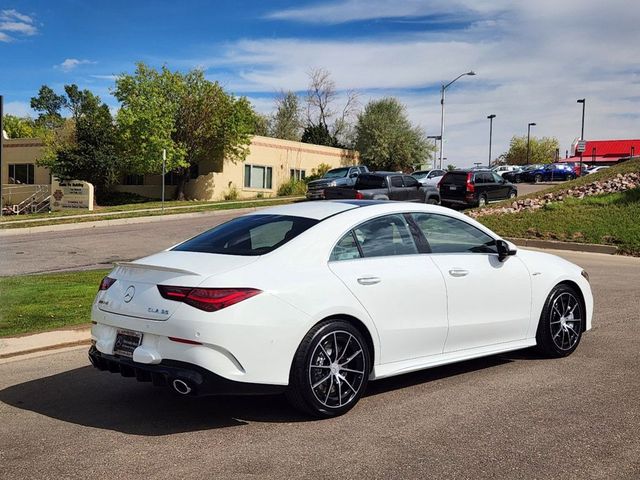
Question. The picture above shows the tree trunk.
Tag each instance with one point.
(182, 181)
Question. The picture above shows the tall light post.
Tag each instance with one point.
(583, 102)
(490, 117)
(442, 90)
(529, 138)
(435, 139)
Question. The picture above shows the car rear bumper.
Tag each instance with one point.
(198, 380)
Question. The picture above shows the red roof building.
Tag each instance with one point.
(605, 152)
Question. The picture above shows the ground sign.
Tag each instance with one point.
(71, 194)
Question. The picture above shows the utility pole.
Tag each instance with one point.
(529, 138)
(583, 102)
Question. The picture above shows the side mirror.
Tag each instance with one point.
(505, 249)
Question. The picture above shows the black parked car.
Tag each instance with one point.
(473, 188)
(518, 176)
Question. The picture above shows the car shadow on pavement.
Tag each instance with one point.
(102, 400)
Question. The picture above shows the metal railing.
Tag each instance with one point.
(22, 199)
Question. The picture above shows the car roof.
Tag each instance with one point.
(318, 210)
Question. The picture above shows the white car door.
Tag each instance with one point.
(403, 291)
(489, 301)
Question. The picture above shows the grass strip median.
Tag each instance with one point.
(609, 219)
(37, 303)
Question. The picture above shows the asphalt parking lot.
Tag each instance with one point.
(507, 416)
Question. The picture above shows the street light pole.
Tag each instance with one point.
(442, 91)
(583, 102)
(490, 117)
(529, 138)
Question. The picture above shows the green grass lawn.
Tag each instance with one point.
(36, 303)
(610, 219)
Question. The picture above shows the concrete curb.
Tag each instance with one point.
(558, 245)
(121, 221)
(54, 340)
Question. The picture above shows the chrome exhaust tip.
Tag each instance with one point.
(181, 387)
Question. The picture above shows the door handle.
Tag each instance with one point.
(369, 280)
(458, 272)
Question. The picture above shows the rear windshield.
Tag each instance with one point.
(455, 178)
(365, 182)
(337, 173)
(250, 235)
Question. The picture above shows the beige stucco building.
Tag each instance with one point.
(270, 163)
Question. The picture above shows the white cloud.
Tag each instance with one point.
(72, 63)
(533, 61)
(19, 109)
(14, 23)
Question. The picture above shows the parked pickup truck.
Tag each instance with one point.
(386, 186)
(336, 177)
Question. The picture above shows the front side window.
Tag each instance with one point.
(257, 176)
(449, 235)
(21, 173)
(248, 235)
(385, 236)
(396, 181)
(410, 182)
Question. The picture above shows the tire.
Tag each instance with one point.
(432, 201)
(569, 177)
(331, 346)
(537, 178)
(560, 327)
(512, 194)
(482, 201)
(518, 179)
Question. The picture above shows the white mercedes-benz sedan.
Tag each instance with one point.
(316, 299)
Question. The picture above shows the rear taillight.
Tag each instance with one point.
(359, 196)
(106, 283)
(470, 187)
(207, 299)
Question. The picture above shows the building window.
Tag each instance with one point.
(297, 174)
(134, 179)
(256, 176)
(171, 178)
(22, 173)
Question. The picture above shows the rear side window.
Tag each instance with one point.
(250, 235)
(396, 181)
(455, 178)
(365, 182)
(345, 249)
(410, 181)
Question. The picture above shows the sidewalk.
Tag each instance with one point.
(26, 344)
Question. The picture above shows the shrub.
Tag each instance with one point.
(232, 193)
(292, 187)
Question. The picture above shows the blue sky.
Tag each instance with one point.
(533, 59)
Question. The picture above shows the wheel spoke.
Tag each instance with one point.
(339, 392)
(359, 372)
(325, 352)
(348, 384)
(320, 366)
(335, 347)
(326, 399)
(351, 357)
(319, 382)
(345, 348)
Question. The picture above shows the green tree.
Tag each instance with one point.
(287, 123)
(48, 104)
(541, 150)
(319, 135)
(192, 118)
(85, 147)
(451, 167)
(20, 127)
(262, 125)
(386, 139)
